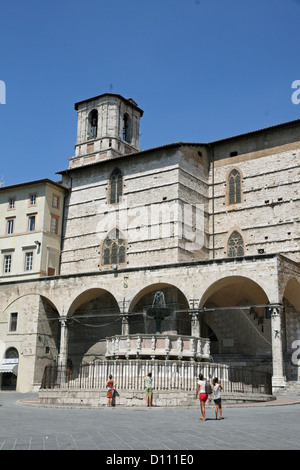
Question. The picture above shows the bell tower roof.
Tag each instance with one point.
(128, 101)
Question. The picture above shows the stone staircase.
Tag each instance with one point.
(261, 362)
(292, 389)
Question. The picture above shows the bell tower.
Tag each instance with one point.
(108, 126)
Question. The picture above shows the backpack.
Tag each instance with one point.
(207, 387)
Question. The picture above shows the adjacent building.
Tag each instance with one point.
(31, 222)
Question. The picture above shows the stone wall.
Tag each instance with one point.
(268, 215)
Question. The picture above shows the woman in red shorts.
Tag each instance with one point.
(110, 385)
(201, 392)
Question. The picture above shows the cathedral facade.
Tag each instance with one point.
(213, 226)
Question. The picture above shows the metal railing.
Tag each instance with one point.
(166, 375)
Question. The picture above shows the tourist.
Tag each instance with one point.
(110, 386)
(203, 389)
(148, 388)
(217, 387)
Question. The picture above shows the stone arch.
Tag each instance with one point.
(93, 124)
(8, 379)
(241, 287)
(126, 129)
(175, 300)
(48, 332)
(238, 330)
(11, 353)
(93, 315)
(44, 344)
(292, 292)
(291, 313)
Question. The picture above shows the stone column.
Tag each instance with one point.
(195, 321)
(123, 305)
(63, 350)
(278, 378)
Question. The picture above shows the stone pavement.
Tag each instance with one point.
(26, 426)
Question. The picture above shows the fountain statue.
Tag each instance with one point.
(159, 310)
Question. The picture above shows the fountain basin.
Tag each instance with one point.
(158, 346)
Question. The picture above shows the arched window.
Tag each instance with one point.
(235, 247)
(115, 186)
(93, 124)
(235, 187)
(113, 251)
(11, 353)
(126, 128)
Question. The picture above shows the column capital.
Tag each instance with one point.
(276, 309)
(194, 314)
(64, 320)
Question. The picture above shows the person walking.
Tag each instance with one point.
(217, 387)
(203, 390)
(148, 388)
(110, 387)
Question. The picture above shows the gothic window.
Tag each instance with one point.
(93, 124)
(126, 128)
(113, 251)
(234, 183)
(115, 186)
(235, 246)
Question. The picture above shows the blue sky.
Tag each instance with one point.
(201, 70)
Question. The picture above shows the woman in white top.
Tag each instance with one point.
(202, 393)
(217, 387)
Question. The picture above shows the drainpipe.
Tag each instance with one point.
(212, 159)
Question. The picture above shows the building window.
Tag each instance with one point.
(115, 186)
(54, 224)
(235, 189)
(31, 223)
(28, 261)
(7, 264)
(235, 245)
(13, 321)
(11, 353)
(10, 226)
(126, 128)
(93, 124)
(11, 203)
(32, 200)
(113, 251)
(55, 201)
